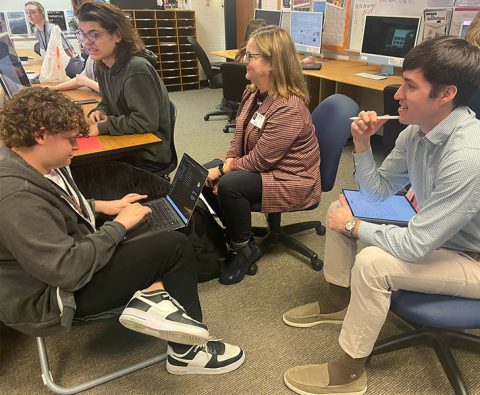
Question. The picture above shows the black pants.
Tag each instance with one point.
(237, 191)
(166, 256)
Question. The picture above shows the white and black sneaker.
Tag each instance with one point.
(158, 314)
(212, 357)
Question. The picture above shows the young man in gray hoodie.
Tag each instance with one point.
(56, 265)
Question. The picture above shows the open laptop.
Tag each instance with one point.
(12, 74)
(396, 210)
(175, 210)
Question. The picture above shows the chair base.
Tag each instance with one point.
(48, 380)
(440, 340)
(207, 116)
(276, 234)
(231, 124)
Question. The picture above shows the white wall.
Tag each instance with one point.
(210, 24)
(18, 5)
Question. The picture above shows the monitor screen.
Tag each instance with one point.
(464, 28)
(387, 39)
(319, 6)
(272, 17)
(11, 69)
(306, 31)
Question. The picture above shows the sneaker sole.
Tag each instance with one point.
(299, 391)
(162, 328)
(310, 324)
(182, 370)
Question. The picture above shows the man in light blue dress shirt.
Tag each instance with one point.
(438, 252)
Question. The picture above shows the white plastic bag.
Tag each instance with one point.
(55, 59)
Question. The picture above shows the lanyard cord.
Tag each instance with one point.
(70, 192)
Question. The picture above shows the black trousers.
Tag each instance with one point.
(237, 191)
(166, 256)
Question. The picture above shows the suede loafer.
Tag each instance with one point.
(314, 380)
(309, 315)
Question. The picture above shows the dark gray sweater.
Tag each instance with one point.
(136, 101)
(47, 250)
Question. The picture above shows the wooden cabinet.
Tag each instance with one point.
(165, 33)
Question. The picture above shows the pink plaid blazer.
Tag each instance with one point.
(285, 151)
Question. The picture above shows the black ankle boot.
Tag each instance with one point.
(237, 266)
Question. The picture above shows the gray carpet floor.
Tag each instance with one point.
(248, 314)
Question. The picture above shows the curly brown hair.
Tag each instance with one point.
(31, 109)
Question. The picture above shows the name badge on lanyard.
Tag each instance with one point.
(258, 120)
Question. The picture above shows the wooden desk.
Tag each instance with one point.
(112, 146)
(342, 71)
(336, 76)
(34, 64)
(115, 147)
(226, 53)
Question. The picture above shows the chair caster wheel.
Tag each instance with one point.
(225, 130)
(252, 270)
(206, 117)
(320, 230)
(317, 264)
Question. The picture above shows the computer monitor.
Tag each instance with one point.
(272, 17)
(319, 6)
(464, 28)
(306, 31)
(387, 39)
(285, 21)
(12, 73)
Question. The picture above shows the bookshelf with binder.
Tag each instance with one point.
(165, 33)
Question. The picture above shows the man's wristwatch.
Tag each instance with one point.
(220, 168)
(350, 226)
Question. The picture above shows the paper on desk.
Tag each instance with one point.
(88, 143)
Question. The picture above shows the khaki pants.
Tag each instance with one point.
(374, 273)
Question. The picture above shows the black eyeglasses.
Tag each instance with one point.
(249, 56)
(90, 36)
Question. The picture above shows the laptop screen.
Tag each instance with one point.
(186, 187)
(12, 72)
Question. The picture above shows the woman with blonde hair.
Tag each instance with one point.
(253, 25)
(473, 32)
(41, 28)
(473, 37)
(274, 158)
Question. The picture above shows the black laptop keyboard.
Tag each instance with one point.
(161, 216)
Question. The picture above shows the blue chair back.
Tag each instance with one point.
(332, 127)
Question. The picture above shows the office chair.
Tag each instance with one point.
(174, 159)
(332, 127)
(113, 180)
(234, 84)
(392, 128)
(36, 48)
(48, 380)
(439, 322)
(214, 76)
